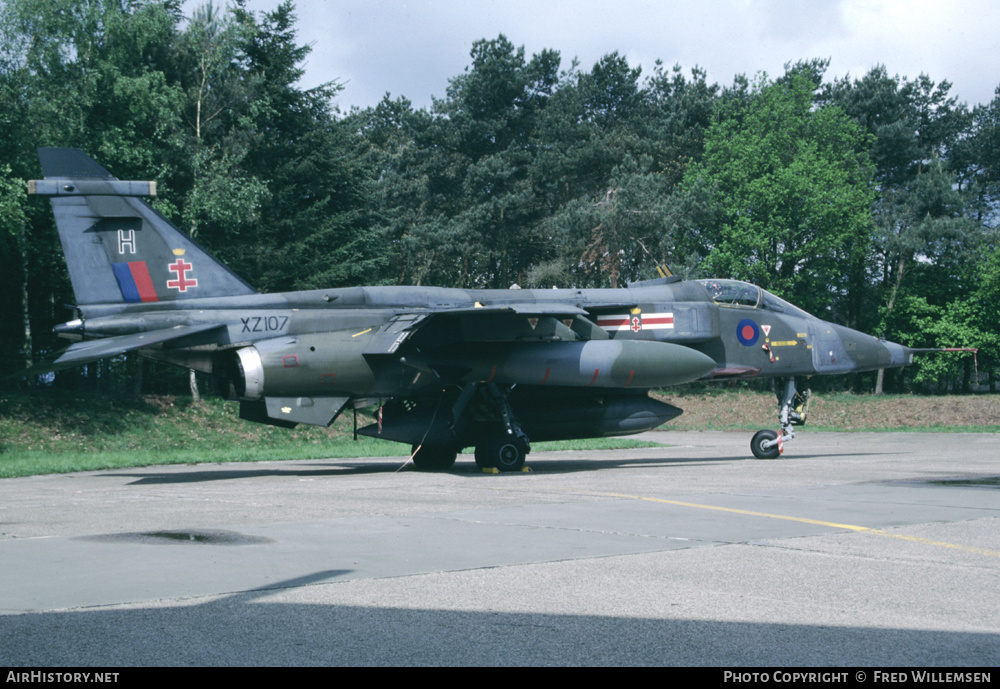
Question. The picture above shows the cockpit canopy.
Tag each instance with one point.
(734, 293)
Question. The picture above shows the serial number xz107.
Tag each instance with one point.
(264, 324)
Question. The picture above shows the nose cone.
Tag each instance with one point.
(899, 355)
(867, 353)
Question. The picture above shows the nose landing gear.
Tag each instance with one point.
(768, 444)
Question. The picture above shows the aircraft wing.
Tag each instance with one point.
(491, 323)
(525, 309)
(92, 350)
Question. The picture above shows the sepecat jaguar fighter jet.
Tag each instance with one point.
(450, 368)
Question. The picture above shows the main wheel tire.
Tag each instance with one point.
(434, 457)
(484, 458)
(505, 453)
(757, 445)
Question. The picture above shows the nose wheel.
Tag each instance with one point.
(768, 444)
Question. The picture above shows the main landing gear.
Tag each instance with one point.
(503, 452)
(481, 413)
(794, 406)
(505, 447)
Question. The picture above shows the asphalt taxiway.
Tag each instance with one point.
(856, 549)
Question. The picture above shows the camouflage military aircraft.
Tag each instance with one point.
(450, 368)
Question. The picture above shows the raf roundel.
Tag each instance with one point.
(747, 332)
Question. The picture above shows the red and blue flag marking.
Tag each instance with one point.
(134, 281)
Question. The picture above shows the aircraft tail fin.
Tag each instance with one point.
(118, 248)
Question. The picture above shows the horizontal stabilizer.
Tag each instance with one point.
(92, 350)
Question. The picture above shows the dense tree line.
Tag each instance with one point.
(870, 201)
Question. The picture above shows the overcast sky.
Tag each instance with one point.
(413, 47)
